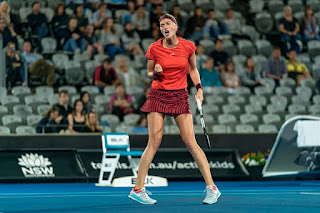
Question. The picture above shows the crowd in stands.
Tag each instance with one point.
(116, 30)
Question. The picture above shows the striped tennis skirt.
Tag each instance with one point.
(168, 102)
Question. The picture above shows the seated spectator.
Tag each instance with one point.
(230, 78)
(121, 103)
(8, 33)
(289, 28)
(141, 21)
(116, 4)
(74, 40)
(276, 67)
(92, 41)
(296, 70)
(105, 75)
(131, 7)
(59, 22)
(155, 16)
(83, 21)
(200, 57)
(127, 75)
(85, 98)
(77, 119)
(37, 65)
(232, 26)
(250, 77)
(195, 25)
(130, 40)
(38, 21)
(14, 68)
(142, 100)
(213, 28)
(110, 39)
(92, 123)
(180, 21)
(219, 56)
(11, 19)
(64, 108)
(99, 17)
(209, 76)
(310, 25)
(151, 5)
(141, 126)
(51, 122)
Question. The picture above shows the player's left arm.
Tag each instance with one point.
(194, 74)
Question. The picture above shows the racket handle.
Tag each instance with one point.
(199, 104)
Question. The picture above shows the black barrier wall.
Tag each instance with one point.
(244, 143)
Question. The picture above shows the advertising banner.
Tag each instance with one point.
(173, 163)
(37, 165)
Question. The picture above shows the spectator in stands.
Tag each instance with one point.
(250, 77)
(93, 4)
(219, 55)
(141, 126)
(130, 40)
(99, 17)
(92, 123)
(276, 67)
(85, 98)
(11, 19)
(14, 68)
(310, 25)
(233, 26)
(230, 78)
(181, 22)
(200, 57)
(209, 76)
(105, 75)
(195, 25)
(121, 103)
(110, 39)
(116, 4)
(83, 21)
(289, 28)
(131, 4)
(72, 4)
(8, 33)
(151, 5)
(73, 38)
(142, 100)
(155, 16)
(141, 21)
(64, 108)
(155, 34)
(59, 21)
(51, 122)
(38, 21)
(93, 43)
(296, 70)
(127, 75)
(77, 119)
(37, 65)
(211, 29)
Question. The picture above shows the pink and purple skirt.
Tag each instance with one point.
(168, 102)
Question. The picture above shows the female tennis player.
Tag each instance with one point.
(168, 61)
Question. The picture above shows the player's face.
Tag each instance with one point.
(168, 28)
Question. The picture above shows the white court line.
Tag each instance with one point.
(121, 195)
(310, 193)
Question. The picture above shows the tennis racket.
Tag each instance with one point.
(203, 124)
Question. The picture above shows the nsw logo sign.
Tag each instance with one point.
(34, 165)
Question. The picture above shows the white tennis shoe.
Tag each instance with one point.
(212, 195)
(142, 196)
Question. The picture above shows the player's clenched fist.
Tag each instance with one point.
(158, 69)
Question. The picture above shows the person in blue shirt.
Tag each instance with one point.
(209, 76)
(141, 126)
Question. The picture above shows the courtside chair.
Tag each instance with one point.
(304, 91)
(279, 100)
(264, 47)
(12, 122)
(275, 6)
(59, 60)
(123, 129)
(284, 91)
(297, 109)
(258, 100)
(4, 130)
(267, 128)
(268, 82)
(221, 128)
(22, 111)
(44, 92)
(33, 120)
(251, 119)
(113, 120)
(251, 31)
(221, 5)
(288, 82)
(272, 119)
(131, 119)
(244, 128)
(297, 99)
(71, 89)
(25, 130)
(10, 101)
(256, 6)
(254, 109)
(54, 99)
(296, 5)
(49, 45)
(3, 110)
(263, 22)
(34, 101)
(316, 99)
(314, 109)
(259, 63)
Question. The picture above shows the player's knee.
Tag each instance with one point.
(154, 142)
(191, 145)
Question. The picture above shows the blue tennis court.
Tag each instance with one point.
(264, 196)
